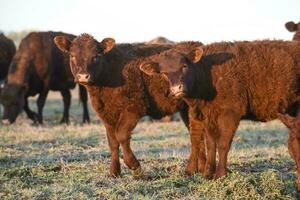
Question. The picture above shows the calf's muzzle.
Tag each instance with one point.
(83, 78)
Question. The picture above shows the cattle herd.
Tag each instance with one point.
(212, 86)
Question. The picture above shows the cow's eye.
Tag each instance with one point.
(184, 68)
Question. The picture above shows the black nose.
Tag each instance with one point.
(83, 78)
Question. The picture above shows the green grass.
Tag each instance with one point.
(71, 162)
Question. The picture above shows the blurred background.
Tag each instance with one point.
(138, 21)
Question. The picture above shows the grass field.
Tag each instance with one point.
(71, 162)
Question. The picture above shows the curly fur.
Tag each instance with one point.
(241, 80)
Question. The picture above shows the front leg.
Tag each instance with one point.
(126, 124)
(40, 104)
(66, 94)
(197, 159)
(30, 114)
(83, 98)
(115, 168)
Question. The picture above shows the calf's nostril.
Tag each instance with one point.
(83, 77)
(87, 76)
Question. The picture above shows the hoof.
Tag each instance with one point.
(189, 172)
(219, 175)
(137, 172)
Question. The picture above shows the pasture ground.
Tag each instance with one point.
(71, 162)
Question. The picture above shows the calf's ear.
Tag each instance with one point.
(150, 68)
(287, 120)
(195, 55)
(107, 44)
(63, 43)
(291, 26)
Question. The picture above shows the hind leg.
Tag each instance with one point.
(294, 149)
(227, 125)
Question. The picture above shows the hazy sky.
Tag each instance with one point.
(140, 20)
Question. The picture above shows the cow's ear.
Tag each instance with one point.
(288, 120)
(107, 44)
(150, 68)
(291, 26)
(63, 43)
(195, 55)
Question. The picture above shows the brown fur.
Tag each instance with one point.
(234, 81)
(38, 67)
(293, 124)
(292, 27)
(120, 93)
(7, 51)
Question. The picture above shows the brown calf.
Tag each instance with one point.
(120, 93)
(227, 82)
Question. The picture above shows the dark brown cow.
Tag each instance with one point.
(233, 81)
(120, 93)
(7, 51)
(292, 27)
(37, 67)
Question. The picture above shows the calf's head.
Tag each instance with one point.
(293, 27)
(174, 66)
(87, 56)
(12, 97)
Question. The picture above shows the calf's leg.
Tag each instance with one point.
(115, 168)
(66, 94)
(40, 104)
(227, 125)
(210, 165)
(30, 114)
(197, 159)
(126, 124)
(83, 98)
(294, 149)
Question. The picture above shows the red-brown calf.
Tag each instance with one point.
(120, 93)
(227, 82)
